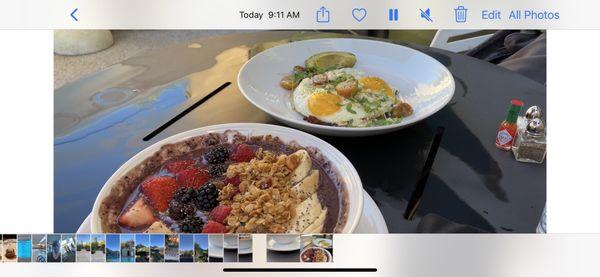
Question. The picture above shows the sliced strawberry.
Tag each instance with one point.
(213, 227)
(242, 153)
(219, 213)
(138, 215)
(193, 178)
(176, 166)
(159, 190)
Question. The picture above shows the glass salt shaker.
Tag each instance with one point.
(530, 145)
(531, 113)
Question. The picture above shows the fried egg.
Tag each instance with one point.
(373, 98)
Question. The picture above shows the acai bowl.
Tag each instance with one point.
(232, 178)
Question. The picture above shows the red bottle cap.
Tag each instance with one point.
(516, 102)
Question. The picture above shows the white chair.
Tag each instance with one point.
(468, 40)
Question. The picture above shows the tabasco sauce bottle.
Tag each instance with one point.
(508, 127)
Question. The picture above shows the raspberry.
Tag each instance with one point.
(216, 155)
(159, 191)
(176, 166)
(213, 227)
(220, 213)
(242, 153)
(192, 178)
(207, 197)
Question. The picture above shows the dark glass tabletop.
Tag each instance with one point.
(101, 120)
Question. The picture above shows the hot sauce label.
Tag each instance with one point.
(504, 137)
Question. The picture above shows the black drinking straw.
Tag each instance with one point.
(415, 198)
(184, 112)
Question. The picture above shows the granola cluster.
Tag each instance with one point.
(263, 202)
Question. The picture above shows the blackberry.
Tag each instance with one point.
(178, 210)
(207, 197)
(217, 170)
(185, 195)
(191, 225)
(216, 155)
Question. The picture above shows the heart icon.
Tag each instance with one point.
(359, 14)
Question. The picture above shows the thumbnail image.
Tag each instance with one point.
(9, 253)
(283, 248)
(38, 248)
(186, 248)
(84, 248)
(24, 248)
(1, 247)
(53, 244)
(113, 248)
(68, 248)
(245, 248)
(98, 248)
(142, 248)
(230, 248)
(201, 248)
(127, 248)
(172, 248)
(317, 248)
(215, 248)
(157, 248)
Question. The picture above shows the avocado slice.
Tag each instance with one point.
(330, 60)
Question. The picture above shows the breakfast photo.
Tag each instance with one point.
(283, 248)
(300, 132)
(317, 248)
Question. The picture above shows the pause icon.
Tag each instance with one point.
(393, 14)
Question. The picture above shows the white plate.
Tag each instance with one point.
(275, 246)
(371, 221)
(317, 240)
(422, 81)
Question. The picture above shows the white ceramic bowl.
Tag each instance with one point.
(340, 163)
(422, 81)
(284, 239)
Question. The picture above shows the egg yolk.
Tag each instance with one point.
(376, 84)
(321, 104)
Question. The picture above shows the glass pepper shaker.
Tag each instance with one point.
(530, 145)
(531, 113)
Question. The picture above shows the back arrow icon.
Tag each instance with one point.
(73, 14)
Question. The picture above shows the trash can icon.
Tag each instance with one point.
(460, 14)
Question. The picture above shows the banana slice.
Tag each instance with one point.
(308, 185)
(306, 213)
(301, 164)
(317, 226)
